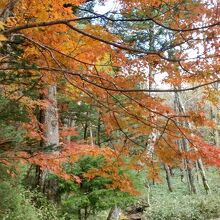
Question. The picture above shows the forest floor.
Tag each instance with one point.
(180, 204)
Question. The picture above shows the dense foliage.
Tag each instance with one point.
(94, 106)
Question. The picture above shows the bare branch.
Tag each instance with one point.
(117, 89)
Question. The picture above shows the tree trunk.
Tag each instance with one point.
(51, 133)
(183, 145)
(51, 120)
(91, 134)
(98, 141)
(186, 148)
(203, 175)
(189, 167)
(86, 127)
(216, 131)
(215, 113)
(168, 177)
(114, 213)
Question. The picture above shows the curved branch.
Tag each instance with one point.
(116, 89)
(67, 23)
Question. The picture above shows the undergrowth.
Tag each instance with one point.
(180, 205)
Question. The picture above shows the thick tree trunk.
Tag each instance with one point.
(51, 133)
(51, 120)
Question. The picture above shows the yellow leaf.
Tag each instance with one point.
(2, 58)
(3, 4)
(2, 25)
(2, 38)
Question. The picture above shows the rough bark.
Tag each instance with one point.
(51, 119)
(50, 186)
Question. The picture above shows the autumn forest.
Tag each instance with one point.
(109, 109)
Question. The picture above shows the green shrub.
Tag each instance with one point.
(14, 205)
(91, 196)
(185, 208)
(179, 205)
(19, 204)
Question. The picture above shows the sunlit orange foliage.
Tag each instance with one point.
(89, 63)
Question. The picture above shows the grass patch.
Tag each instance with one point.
(180, 205)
